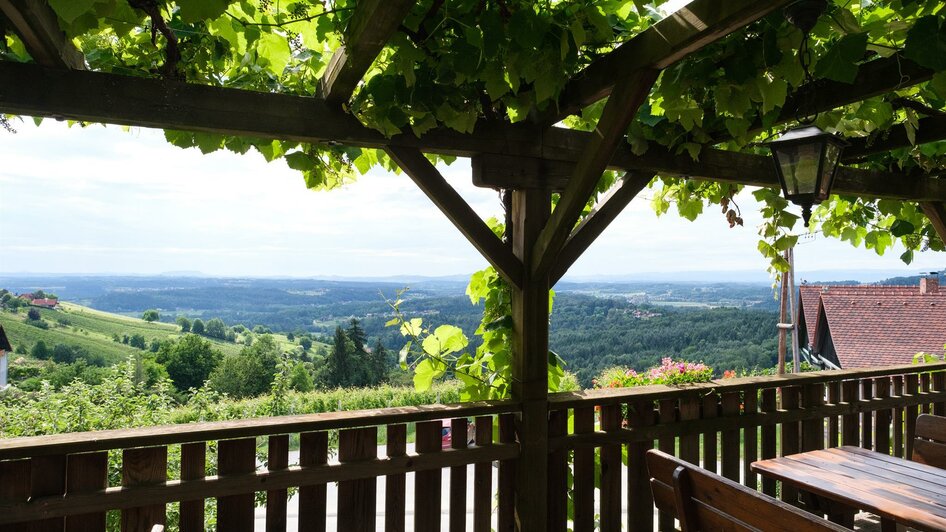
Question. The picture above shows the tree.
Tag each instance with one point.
(338, 363)
(40, 350)
(189, 361)
(300, 379)
(198, 326)
(184, 323)
(33, 314)
(249, 373)
(150, 315)
(379, 363)
(306, 343)
(138, 340)
(356, 334)
(216, 328)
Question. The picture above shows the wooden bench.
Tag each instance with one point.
(703, 501)
(929, 446)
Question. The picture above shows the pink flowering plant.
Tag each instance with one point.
(670, 372)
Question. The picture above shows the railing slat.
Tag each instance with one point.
(506, 516)
(394, 485)
(898, 415)
(458, 440)
(912, 412)
(769, 438)
(357, 499)
(427, 483)
(813, 430)
(790, 438)
(667, 410)
(277, 459)
(87, 472)
(729, 439)
(313, 451)
(610, 510)
(750, 401)
(584, 484)
(834, 397)
(939, 384)
(850, 423)
(925, 386)
(147, 465)
(14, 486)
(640, 501)
(235, 512)
(558, 474)
(193, 467)
(867, 418)
(710, 450)
(882, 417)
(483, 479)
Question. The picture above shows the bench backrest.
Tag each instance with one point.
(702, 500)
(929, 447)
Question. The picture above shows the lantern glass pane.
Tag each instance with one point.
(799, 164)
(832, 153)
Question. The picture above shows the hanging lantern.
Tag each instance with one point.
(806, 159)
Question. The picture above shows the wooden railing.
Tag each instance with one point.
(723, 426)
(597, 437)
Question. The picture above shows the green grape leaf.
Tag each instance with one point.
(426, 372)
(926, 44)
(275, 50)
(773, 93)
(196, 10)
(70, 10)
(840, 61)
(902, 227)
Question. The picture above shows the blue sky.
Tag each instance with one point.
(108, 200)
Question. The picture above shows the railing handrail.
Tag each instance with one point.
(78, 442)
(607, 396)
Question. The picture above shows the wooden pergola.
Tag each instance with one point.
(531, 159)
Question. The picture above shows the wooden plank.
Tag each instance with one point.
(483, 479)
(38, 27)
(426, 176)
(313, 452)
(601, 216)
(86, 473)
(667, 413)
(190, 432)
(750, 448)
(276, 500)
(427, 483)
(640, 501)
(813, 430)
(911, 413)
(769, 435)
(144, 466)
(710, 449)
(216, 486)
(939, 385)
(692, 27)
(395, 506)
(610, 509)
(235, 512)
(729, 403)
(583, 492)
(834, 427)
(850, 394)
(882, 417)
(790, 438)
(925, 387)
(936, 212)
(629, 93)
(929, 129)
(126, 100)
(898, 424)
(14, 487)
(458, 440)
(370, 27)
(193, 467)
(506, 512)
(357, 499)
(558, 474)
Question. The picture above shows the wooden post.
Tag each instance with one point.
(530, 314)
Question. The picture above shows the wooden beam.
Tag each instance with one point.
(936, 212)
(38, 28)
(429, 180)
(628, 95)
(369, 29)
(930, 129)
(600, 218)
(874, 78)
(692, 27)
(34, 90)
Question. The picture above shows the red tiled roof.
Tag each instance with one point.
(882, 325)
(808, 308)
(45, 302)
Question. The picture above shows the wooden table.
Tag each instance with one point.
(897, 490)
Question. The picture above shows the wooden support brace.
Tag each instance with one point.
(428, 179)
(627, 97)
(38, 27)
(692, 27)
(595, 223)
(370, 28)
(930, 129)
(936, 212)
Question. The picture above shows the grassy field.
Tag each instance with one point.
(93, 330)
